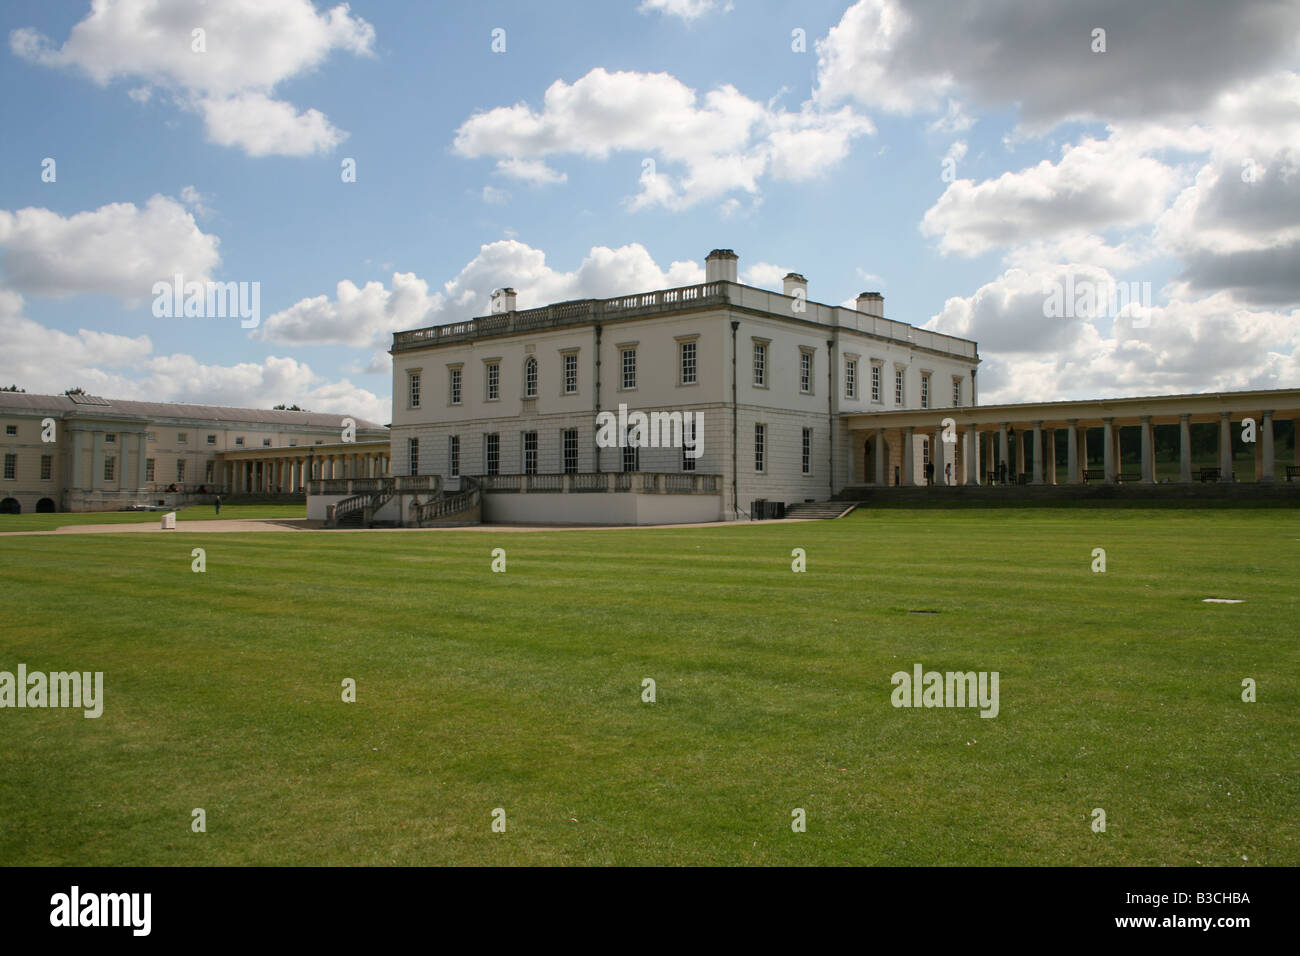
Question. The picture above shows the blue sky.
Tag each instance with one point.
(1137, 163)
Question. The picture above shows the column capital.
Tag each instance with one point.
(1185, 417)
(1072, 422)
(1108, 421)
(1267, 413)
(1038, 425)
(1145, 419)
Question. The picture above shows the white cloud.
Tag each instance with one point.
(369, 315)
(1186, 345)
(1037, 55)
(46, 360)
(262, 126)
(722, 143)
(532, 171)
(117, 249)
(250, 47)
(494, 196)
(687, 10)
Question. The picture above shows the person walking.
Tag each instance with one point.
(217, 503)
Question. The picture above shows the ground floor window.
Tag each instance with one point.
(453, 456)
(492, 453)
(530, 453)
(807, 451)
(413, 455)
(570, 451)
(760, 447)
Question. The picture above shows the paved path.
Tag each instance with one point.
(245, 525)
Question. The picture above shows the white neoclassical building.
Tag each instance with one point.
(515, 398)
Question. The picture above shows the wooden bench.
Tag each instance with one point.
(1094, 474)
(1209, 474)
(1292, 472)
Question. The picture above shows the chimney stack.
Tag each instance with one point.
(794, 281)
(720, 266)
(872, 303)
(503, 300)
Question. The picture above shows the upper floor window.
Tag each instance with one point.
(925, 391)
(686, 352)
(182, 438)
(239, 441)
(956, 392)
(875, 382)
(760, 364)
(530, 378)
(629, 368)
(212, 439)
(47, 467)
(266, 443)
(570, 373)
(413, 381)
(455, 385)
(805, 371)
(11, 429)
(898, 386)
(493, 381)
(850, 378)
(110, 439)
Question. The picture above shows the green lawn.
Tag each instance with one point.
(48, 522)
(522, 691)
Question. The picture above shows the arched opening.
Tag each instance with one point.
(10, 506)
(45, 506)
(869, 460)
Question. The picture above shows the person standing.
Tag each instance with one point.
(216, 501)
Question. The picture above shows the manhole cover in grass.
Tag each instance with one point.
(922, 612)
(1220, 601)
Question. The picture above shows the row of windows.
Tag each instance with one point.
(182, 438)
(531, 448)
(110, 468)
(492, 380)
(851, 384)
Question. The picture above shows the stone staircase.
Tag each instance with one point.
(819, 509)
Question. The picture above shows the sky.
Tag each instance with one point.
(384, 165)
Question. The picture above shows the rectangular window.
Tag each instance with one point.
(760, 364)
(760, 446)
(492, 453)
(898, 386)
(413, 381)
(570, 451)
(956, 392)
(807, 451)
(110, 439)
(151, 436)
(239, 441)
(850, 378)
(875, 382)
(570, 373)
(688, 363)
(629, 368)
(805, 372)
(149, 472)
(212, 439)
(110, 468)
(631, 453)
(47, 467)
(453, 456)
(530, 378)
(293, 443)
(180, 469)
(209, 471)
(493, 381)
(925, 451)
(11, 429)
(182, 438)
(925, 391)
(688, 444)
(11, 467)
(413, 456)
(455, 385)
(266, 443)
(530, 453)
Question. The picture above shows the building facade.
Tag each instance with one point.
(765, 377)
(85, 453)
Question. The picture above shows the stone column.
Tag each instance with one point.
(97, 460)
(1049, 456)
(908, 453)
(142, 446)
(1225, 446)
(1108, 449)
(972, 455)
(881, 462)
(939, 456)
(1083, 450)
(1266, 446)
(1185, 448)
(1073, 474)
(1148, 458)
(1004, 451)
(1038, 453)
(1020, 454)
